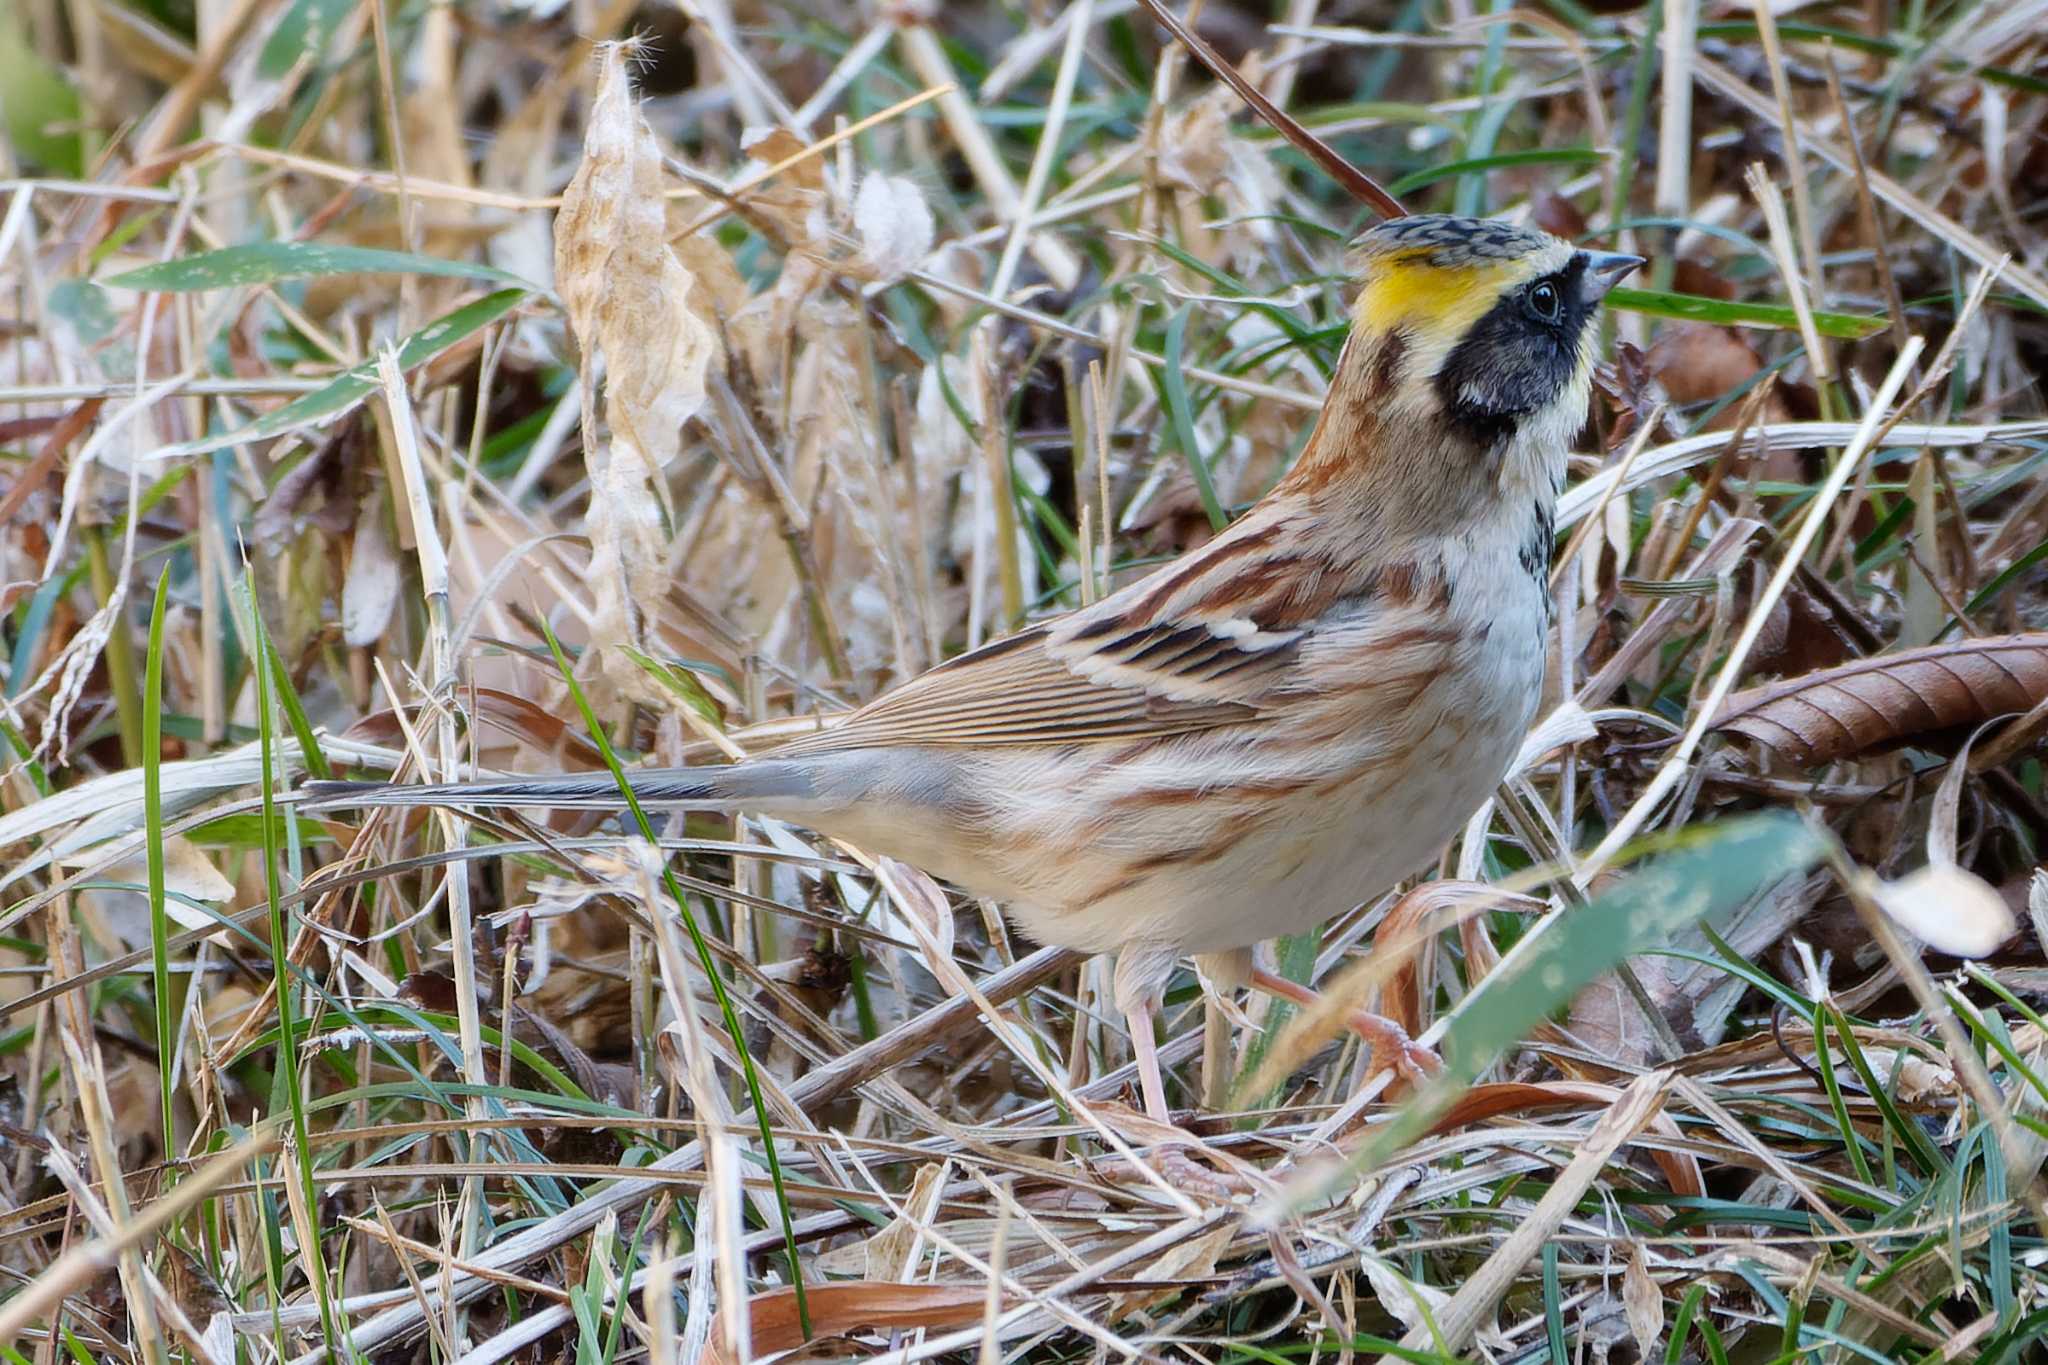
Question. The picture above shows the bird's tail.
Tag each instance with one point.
(761, 782)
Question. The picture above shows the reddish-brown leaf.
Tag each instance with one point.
(1680, 1169)
(838, 1309)
(1876, 703)
(506, 712)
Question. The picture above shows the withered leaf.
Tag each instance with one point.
(1949, 908)
(628, 300)
(1642, 1301)
(625, 292)
(504, 713)
(1877, 703)
(1698, 362)
(838, 1309)
(894, 223)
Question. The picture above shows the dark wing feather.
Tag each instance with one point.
(1035, 688)
(1213, 639)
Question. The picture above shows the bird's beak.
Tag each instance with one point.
(1604, 270)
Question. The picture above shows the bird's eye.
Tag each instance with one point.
(1543, 301)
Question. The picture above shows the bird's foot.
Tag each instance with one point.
(1412, 1063)
(1178, 1157)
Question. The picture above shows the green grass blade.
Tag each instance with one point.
(1553, 1306)
(1709, 874)
(273, 890)
(1852, 1142)
(727, 1012)
(267, 262)
(1904, 1129)
(153, 846)
(1663, 303)
(310, 752)
(346, 390)
(39, 109)
(1182, 412)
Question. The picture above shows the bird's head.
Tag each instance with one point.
(1471, 341)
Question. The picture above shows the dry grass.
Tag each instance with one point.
(914, 325)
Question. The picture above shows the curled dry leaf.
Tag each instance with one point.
(895, 225)
(1876, 703)
(1947, 907)
(628, 301)
(1681, 1170)
(499, 715)
(1642, 1301)
(1698, 362)
(189, 875)
(1412, 1304)
(863, 1305)
(369, 595)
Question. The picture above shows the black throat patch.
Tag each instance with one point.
(1516, 358)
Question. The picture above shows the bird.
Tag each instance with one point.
(1275, 727)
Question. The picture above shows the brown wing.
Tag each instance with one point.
(1019, 690)
(1212, 639)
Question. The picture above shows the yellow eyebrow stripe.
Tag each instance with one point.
(1407, 291)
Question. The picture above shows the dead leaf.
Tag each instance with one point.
(1681, 1170)
(1913, 1078)
(189, 875)
(369, 595)
(1691, 277)
(894, 224)
(1192, 1259)
(1558, 216)
(1414, 1305)
(1698, 362)
(1801, 634)
(771, 146)
(889, 1251)
(628, 301)
(1192, 153)
(1418, 915)
(1948, 908)
(503, 713)
(1643, 1301)
(871, 1305)
(1893, 699)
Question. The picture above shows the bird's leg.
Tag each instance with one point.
(1141, 973)
(1145, 1051)
(1389, 1042)
(1140, 977)
(1222, 975)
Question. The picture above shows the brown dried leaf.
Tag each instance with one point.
(1417, 915)
(1801, 634)
(369, 595)
(1643, 1301)
(1691, 277)
(838, 1309)
(505, 713)
(889, 1252)
(1681, 1170)
(628, 300)
(1698, 362)
(1876, 703)
(1557, 216)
